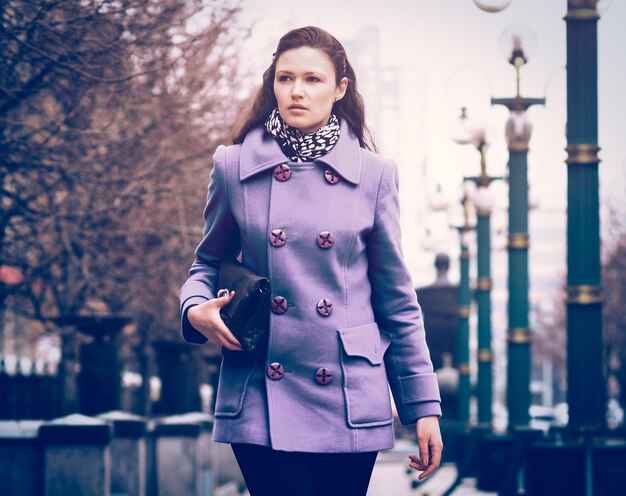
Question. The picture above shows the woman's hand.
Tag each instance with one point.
(207, 320)
(430, 446)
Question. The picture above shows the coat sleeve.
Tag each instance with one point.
(220, 238)
(397, 311)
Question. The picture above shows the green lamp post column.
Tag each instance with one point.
(518, 131)
(518, 333)
(465, 295)
(482, 202)
(586, 389)
(483, 301)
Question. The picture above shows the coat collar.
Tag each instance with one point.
(260, 151)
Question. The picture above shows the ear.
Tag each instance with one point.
(340, 91)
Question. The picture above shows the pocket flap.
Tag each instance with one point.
(363, 341)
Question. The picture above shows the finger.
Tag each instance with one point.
(426, 473)
(217, 323)
(434, 463)
(429, 470)
(422, 444)
(231, 340)
(435, 455)
(227, 344)
(232, 347)
(226, 334)
(222, 301)
(220, 334)
(416, 463)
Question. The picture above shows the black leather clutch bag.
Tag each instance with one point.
(247, 315)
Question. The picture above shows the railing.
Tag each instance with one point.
(116, 454)
(31, 394)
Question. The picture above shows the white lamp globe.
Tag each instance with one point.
(492, 6)
(483, 199)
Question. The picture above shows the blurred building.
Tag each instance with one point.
(395, 105)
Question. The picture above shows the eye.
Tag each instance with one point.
(283, 77)
(313, 79)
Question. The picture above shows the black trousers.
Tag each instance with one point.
(269, 472)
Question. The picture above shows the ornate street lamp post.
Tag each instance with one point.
(483, 203)
(586, 394)
(483, 291)
(518, 130)
(586, 387)
(465, 295)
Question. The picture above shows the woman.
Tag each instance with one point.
(308, 203)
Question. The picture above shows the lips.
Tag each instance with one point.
(296, 106)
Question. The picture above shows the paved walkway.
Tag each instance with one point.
(393, 477)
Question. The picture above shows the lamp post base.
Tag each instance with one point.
(580, 467)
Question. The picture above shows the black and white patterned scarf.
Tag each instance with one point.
(299, 147)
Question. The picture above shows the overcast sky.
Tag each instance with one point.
(443, 36)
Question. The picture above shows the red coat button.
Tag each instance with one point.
(325, 239)
(323, 375)
(282, 172)
(278, 237)
(331, 176)
(324, 307)
(279, 304)
(275, 371)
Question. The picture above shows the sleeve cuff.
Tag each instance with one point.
(420, 387)
(420, 398)
(190, 334)
(409, 414)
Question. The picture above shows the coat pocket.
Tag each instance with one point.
(365, 385)
(235, 372)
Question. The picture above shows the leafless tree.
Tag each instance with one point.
(614, 312)
(551, 337)
(109, 114)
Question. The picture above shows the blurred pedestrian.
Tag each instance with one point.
(304, 197)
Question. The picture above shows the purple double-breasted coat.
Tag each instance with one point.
(345, 323)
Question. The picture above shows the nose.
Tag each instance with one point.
(297, 89)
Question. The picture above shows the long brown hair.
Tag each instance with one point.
(350, 107)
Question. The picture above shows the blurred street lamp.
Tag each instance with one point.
(518, 128)
(460, 131)
(518, 44)
(492, 6)
(464, 390)
(463, 132)
(483, 200)
(436, 233)
(437, 200)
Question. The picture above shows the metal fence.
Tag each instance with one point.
(29, 394)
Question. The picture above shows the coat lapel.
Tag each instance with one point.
(260, 152)
(345, 157)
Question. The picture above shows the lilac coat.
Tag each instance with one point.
(329, 386)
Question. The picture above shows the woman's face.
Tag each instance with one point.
(305, 88)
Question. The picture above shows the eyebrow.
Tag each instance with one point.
(317, 73)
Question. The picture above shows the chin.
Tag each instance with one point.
(295, 122)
